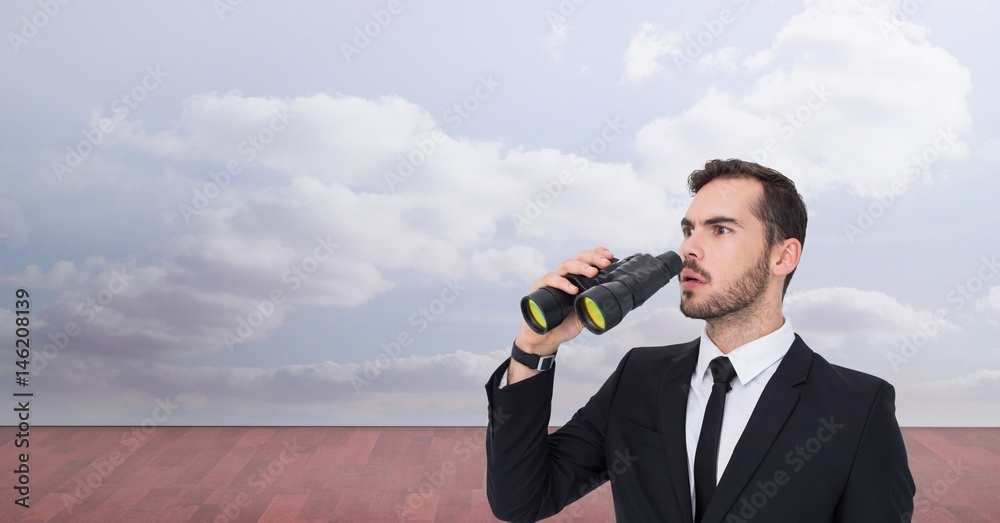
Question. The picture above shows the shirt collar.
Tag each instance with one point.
(749, 359)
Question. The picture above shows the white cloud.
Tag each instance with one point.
(642, 58)
(332, 227)
(554, 42)
(343, 139)
(410, 184)
(524, 264)
(983, 384)
(990, 304)
(156, 312)
(412, 187)
(827, 89)
(62, 273)
(13, 228)
(835, 317)
(648, 326)
(726, 60)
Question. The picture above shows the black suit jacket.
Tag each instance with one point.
(822, 445)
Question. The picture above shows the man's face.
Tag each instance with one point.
(726, 264)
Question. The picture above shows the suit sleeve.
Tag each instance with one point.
(880, 487)
(530, 474)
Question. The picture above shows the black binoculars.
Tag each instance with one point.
(604, 299)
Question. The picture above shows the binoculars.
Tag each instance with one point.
(604, 299)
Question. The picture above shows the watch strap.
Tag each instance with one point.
(532, 361)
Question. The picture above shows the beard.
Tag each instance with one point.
(745, 291)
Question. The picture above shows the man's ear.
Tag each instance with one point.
(785, 256)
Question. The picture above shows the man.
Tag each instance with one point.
(680, 435)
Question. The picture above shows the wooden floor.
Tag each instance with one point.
(353, 474)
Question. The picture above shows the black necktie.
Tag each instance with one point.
(706, 457)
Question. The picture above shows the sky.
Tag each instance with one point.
(239, 213)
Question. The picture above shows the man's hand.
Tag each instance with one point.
(587, 263)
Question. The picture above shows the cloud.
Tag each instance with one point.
(647, 326)
(829, 86)
(844, 317)
(411, 188)
(554, 42)
(408, 180)
(642, 58)
(324, 393)
(725, 60)
(990, 304)
(333, 197)
(524, 264)
(62, 273)
(13, 228)
(380, 391)
(342, 139)
(982, 384)
(150, 313)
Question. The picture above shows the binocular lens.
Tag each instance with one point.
(535, 312)
(592, 314)
(545, 308)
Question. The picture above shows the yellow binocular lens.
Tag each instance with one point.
(593, 312)
(536, 315)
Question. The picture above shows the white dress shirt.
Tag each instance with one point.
(755, 363)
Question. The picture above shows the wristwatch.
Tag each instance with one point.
(532, 361)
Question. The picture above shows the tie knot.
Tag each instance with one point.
(722, 370)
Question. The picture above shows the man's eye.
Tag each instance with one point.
(686, 231)
(723, 230)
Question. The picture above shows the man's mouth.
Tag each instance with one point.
(687, 275)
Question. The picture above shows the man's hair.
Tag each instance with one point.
(780, 208)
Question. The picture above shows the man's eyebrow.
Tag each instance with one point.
(715, 220)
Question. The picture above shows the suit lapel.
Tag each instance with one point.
(773, 408)
(673, 411)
